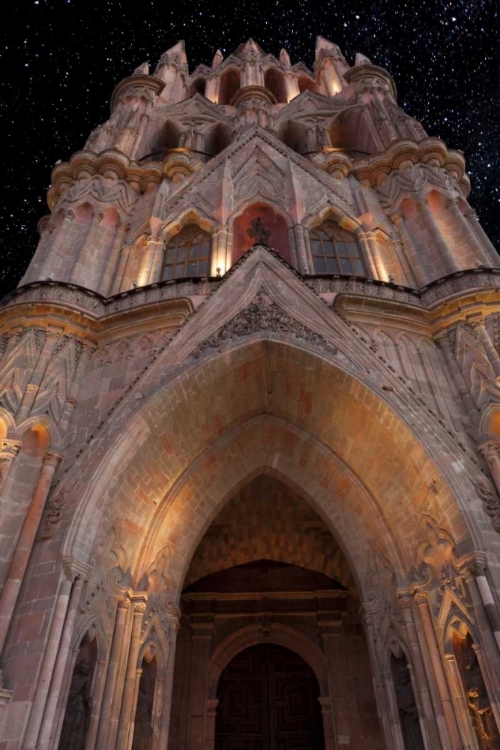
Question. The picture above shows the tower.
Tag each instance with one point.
(249, 411)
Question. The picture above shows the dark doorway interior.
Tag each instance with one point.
(268, 700)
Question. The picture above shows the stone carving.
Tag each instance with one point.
(491, 502)
(258, 233)
(53, 513)
(77, 716)
(264, 316)
(159, 576)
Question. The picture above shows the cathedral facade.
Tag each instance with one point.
(250, 427)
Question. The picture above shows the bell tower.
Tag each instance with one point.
(250, 426)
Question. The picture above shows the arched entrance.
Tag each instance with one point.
(268, 698)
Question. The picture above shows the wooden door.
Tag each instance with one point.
(268, 700)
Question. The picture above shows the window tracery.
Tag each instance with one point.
(187, 254)
(334, 250)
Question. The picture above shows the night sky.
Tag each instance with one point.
(62, 58)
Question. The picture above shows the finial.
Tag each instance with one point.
(258, 233)
(142, 69)
(218, 58)
(362, 59)
(285, 57)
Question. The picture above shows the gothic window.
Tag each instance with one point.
(187, 254)
(336, 251)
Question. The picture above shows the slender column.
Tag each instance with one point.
(145, 274)
(125, 725)
(483, 238)
(202, 631)
(47, 728)
(60, 236)
(429, 728)
(74, 389)
(478, 324)
(89, 237)
(410, 250)
(451, 265)
(293, 247)
(158, 259)
(99, 679)
(8, 452)
(444, 343)
(326, 715)
(490, 678)
(432, 683)
(378, 685)
(462, 710)
(473, 241)
(484, 608)
(437, 666)
(212, 89)
(31, 391)
(398, 249)
(376, 269)
(22, 553)
(489, 450)
(120, 231)
(122, 266)
(211, 717)
(291, 86)
(300, 244)
(219, 251)
(393, 712)
(49, 660)
(138, 674)
(113, 665)
(70, 667)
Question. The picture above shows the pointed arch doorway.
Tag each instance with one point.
(268, 699)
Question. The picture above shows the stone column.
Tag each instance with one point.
(373, 263)
(219, 251)
(22, 553)
(60, 236)
(417, 271)
(8, 452)
(122, 267)
(51, 651)
(111, 675)
(449, 259)
(483, 239)
(489, 451)
(212, 89)
(47, 729)
(478, 324)
(378, 685)
(125, 725)
(428, 720)
(291, 86)
(443, 341)
(36, 378)
(439, 674)
(87, 350)
(485, 610)
(89, 239)
(149, 264)
(201, 636)
(158, 260)
(458, 696)
(120, 231)
(299, 232)
(98, 690)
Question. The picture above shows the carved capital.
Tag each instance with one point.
(74, 568)
(9, 449)
(52, 458)
(421, 598)
(489, 450)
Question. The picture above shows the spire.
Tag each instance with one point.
(285, 58)
(362, 59)
(325, 45)
(142, 69)
(177, 53)
(218, 58)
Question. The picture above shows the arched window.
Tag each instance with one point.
(187, 254)
(335, 250)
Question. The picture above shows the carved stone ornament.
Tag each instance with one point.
(263, 316)
(53, 512)
(491, 502)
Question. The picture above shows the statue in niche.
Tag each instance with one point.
(258, 233)
(143, 726)
(77, 716)
(407, 707)
(481, 713)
